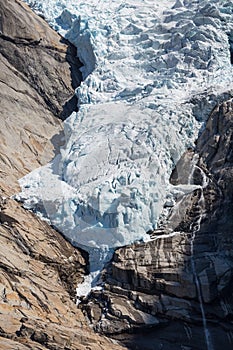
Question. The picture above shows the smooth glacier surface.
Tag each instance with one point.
(152, 71)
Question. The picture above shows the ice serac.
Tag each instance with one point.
(152, 74)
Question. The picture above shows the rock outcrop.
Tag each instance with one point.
(39, 269)
(177, 288)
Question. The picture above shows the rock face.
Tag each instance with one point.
(37, 76)
(39, 270)
(178, 287)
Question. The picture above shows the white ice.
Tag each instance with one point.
(152, 72)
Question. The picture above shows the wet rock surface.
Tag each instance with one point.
(171, 292)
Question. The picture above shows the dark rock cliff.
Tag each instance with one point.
(176, 290)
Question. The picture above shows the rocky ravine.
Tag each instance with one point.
(38, 268)
(172, 292)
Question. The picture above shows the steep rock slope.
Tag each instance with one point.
(39, 269)
(37, 70)
(180, 283)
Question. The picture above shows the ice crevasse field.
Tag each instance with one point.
(152, 71)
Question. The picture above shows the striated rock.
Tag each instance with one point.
(38, 270)
(183, 276)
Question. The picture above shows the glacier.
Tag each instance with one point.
(152, 72)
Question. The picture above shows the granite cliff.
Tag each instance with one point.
(38, 268)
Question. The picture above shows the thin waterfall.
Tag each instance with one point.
(195, 228)
(192, 168)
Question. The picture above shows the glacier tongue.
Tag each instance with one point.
(152, 72)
